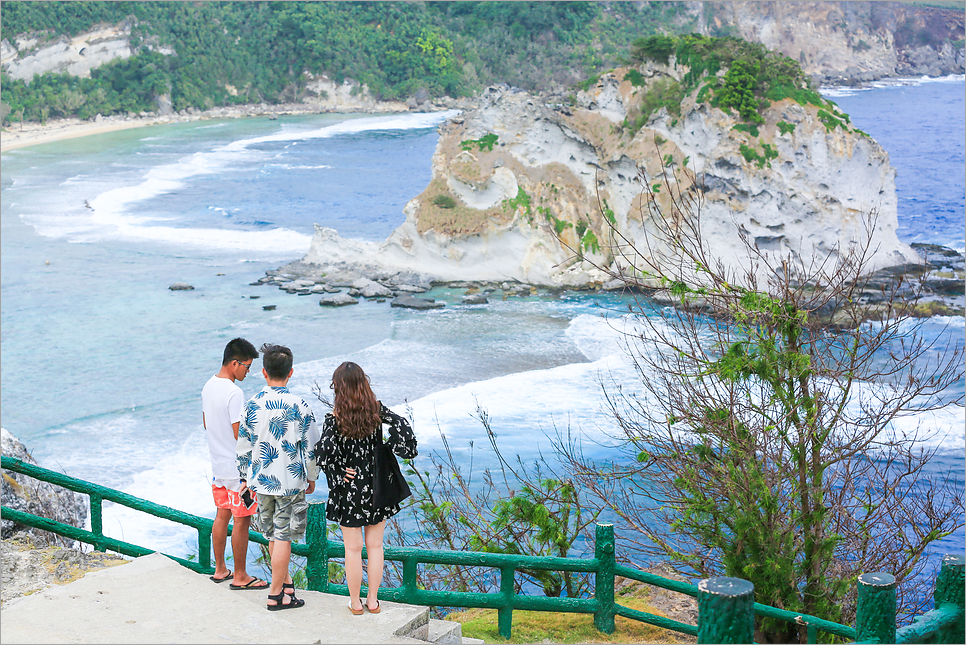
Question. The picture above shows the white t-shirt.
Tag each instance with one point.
(222, 402)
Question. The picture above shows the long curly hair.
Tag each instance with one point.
(355, 408)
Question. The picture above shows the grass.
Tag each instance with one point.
(554, 627)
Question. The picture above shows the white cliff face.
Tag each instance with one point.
(536, 206)
(76, 56)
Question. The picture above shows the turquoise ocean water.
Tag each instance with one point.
(102, 365)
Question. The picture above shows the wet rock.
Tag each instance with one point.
(410, 288)
(371, 289)
(337, 300)
(181, 286)
(412, 302)
(475, 299)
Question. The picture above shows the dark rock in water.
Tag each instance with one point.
(412, 302)
(30, 495)
(337, 300)
(475, 299)
(943, 285)
(181, 286)
(939, 257)
(254, 297)
(269, 307)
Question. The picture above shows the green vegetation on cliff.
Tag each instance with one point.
(248, 52)
(754, 77)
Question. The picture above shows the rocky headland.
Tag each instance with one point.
(531, 192)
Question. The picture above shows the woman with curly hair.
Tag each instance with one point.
(345, 454)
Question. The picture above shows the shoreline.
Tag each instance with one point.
(24, 135)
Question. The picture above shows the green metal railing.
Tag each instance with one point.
(726, 607)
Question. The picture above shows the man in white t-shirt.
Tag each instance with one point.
(222, 403)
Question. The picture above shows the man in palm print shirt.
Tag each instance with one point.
(276, 444)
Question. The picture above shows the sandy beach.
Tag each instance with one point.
(22, 135)
(19, 135)
(32, 134)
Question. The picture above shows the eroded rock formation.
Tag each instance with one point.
(541, 193)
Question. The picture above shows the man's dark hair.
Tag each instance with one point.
(239, 350)
(277, 361)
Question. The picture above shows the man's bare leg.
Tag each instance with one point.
(219, 538)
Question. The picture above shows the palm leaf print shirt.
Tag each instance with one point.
(276, 443)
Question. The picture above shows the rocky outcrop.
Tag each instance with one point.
(29, 566)
(847, 42)
(30, 495)
(538, 193)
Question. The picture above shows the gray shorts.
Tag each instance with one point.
(282, 517)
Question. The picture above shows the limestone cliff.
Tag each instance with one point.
(521, 188)
(846, 42)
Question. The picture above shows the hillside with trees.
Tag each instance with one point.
(260, 50)
(206, 54)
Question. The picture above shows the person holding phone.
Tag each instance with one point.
(221, 403)
(276, 460)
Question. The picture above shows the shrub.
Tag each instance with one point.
(483, 143)
(444, 201)
(746, 127)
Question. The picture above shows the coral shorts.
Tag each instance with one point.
(230, 499)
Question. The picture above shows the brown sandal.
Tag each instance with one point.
(376, 610)
(357, 612)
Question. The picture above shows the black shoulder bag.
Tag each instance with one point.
(389, 487)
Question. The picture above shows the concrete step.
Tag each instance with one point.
(152, 599)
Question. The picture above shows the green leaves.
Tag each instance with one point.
(483, 143)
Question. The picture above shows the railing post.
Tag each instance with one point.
(316, 536)
(951, 590)
(409, 577)
(875, 609)
(726, 611)
(604, 583)
(504, 615)
(204, 547)
(97, 523)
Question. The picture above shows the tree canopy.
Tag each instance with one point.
(248, 52)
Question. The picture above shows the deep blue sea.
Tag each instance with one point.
(103, 365)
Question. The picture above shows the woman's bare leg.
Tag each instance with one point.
(353, 540)
(374, 552)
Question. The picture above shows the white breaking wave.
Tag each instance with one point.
(833, 91)
(113, 211)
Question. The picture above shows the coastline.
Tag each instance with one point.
(34, 134)
(23, 135)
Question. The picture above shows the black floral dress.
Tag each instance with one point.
(350, 502)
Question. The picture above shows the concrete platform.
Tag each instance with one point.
(152, 599)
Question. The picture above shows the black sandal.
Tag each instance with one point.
(279, 605)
